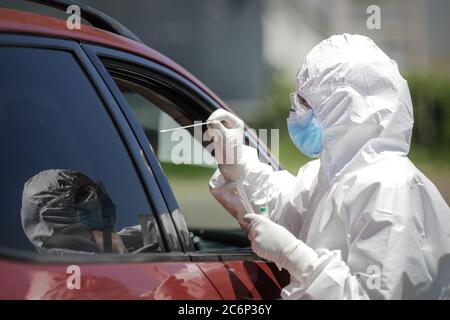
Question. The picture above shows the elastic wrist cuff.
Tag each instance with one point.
(301, 260)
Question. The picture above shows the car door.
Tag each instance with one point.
(58, 119)
(153, 98)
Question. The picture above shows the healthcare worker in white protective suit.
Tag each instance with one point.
(360, 222)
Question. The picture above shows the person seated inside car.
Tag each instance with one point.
(64, 211)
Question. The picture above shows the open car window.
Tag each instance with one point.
(185, 158)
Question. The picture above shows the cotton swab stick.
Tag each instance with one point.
(184, 127)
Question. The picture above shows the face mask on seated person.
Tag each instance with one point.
(96, 210)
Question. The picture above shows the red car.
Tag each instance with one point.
(80, 114)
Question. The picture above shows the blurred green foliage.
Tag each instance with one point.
(276, 104)
(431, 135)
(431, 101)
(179, 171)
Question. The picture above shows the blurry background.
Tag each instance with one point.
(248, 52)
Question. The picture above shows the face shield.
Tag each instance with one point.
(94, 208)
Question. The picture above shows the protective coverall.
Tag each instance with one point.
(369, 223)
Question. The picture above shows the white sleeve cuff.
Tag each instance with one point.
(300, 262)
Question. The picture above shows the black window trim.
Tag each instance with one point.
(172, 246)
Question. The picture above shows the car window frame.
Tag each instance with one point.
(170, 242)
(178, 82)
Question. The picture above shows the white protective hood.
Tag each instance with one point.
(379, 226)
(361, 101)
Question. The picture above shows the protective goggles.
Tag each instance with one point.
(298, 107)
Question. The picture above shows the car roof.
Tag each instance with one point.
(20, 22)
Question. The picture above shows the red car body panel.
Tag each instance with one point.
(244, 280)
(146, 280)
(152, 280)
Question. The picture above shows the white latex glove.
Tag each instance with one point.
(275, 243)
(227, 133)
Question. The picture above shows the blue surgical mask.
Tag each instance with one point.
(306, 133)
